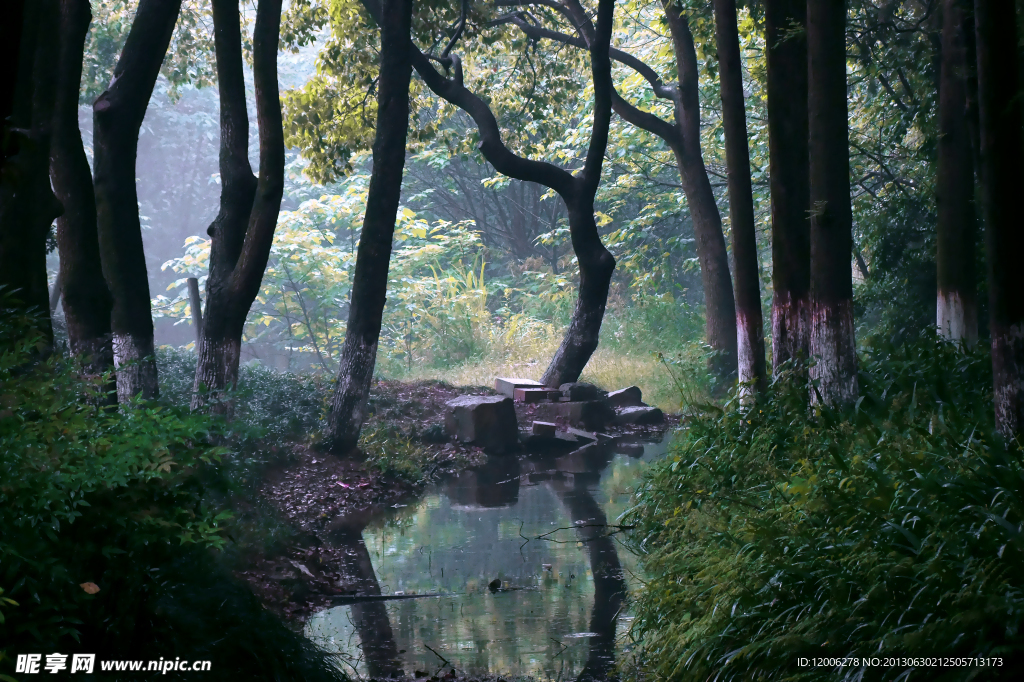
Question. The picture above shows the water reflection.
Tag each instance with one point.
(369, 618)
(558, 600)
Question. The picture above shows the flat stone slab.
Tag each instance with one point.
(544, 429)
(488, 421)
(638, 415)
(507, 386)
(625, 397)
(535, 395)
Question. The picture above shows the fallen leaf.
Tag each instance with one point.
(90, 588)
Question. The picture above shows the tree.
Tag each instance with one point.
(369, 282)
(683, 138)
(117, 118)
(87, 300)
(999, 113)
(243, 232)
(956, 308)
(27, 204)
(577, 191)
(786, 56)
(747, 282)
(831, 330)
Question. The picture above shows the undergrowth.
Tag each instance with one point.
(889, 530)
(111, 529)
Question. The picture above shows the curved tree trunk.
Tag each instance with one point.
(243, 232)
(719, 302)
(747, 281)
(956, 309)
(27, 204)
(999, 108)
(369, 281)
(596, 268)
(789, 179)
(117, 117)
(683, 138)
(87, 300)
(831, 332)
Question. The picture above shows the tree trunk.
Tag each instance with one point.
(789, 179)
(117, 117)
(999, 109)
(27, 204)
(595, 261)
(243, 232)
(956, 310)
(596, 268)
(831, 331)
(369, 281)
(747, 287)
(719, 303)
(87, 300)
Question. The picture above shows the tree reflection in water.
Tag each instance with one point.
(548, 619)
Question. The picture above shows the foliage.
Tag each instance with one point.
(108, 526)
(894, 530)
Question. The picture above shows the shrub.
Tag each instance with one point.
(891, 530)
(117, 499)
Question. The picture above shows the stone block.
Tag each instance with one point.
(580, 391)
(535, 395)
(507, 386)
(625, 397)
(592, 415)
(638, 415)
(488, 421)
(544, 429)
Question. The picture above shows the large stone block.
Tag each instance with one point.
(638, 415)
(488, 421)
(581, 391)
(506, 386)
(592, 415)
(625, 397)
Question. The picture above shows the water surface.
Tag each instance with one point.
(526, 557)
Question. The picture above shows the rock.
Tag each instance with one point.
(625, 397)
(592, 415)
(485, 420)
(544, 429)
(508, 386)
(535, 395)
(580, 391)
(638, 415)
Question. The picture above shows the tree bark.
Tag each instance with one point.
(27, 204)
(956, 310)
(831, 332)
(243, 232)
(999, 109)
(789, 179)
(747, 282)
(369, 281)
(719, 301)
(578, 192)
(87, 300)
(117, 117)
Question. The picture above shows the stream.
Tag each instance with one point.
(523, 563)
